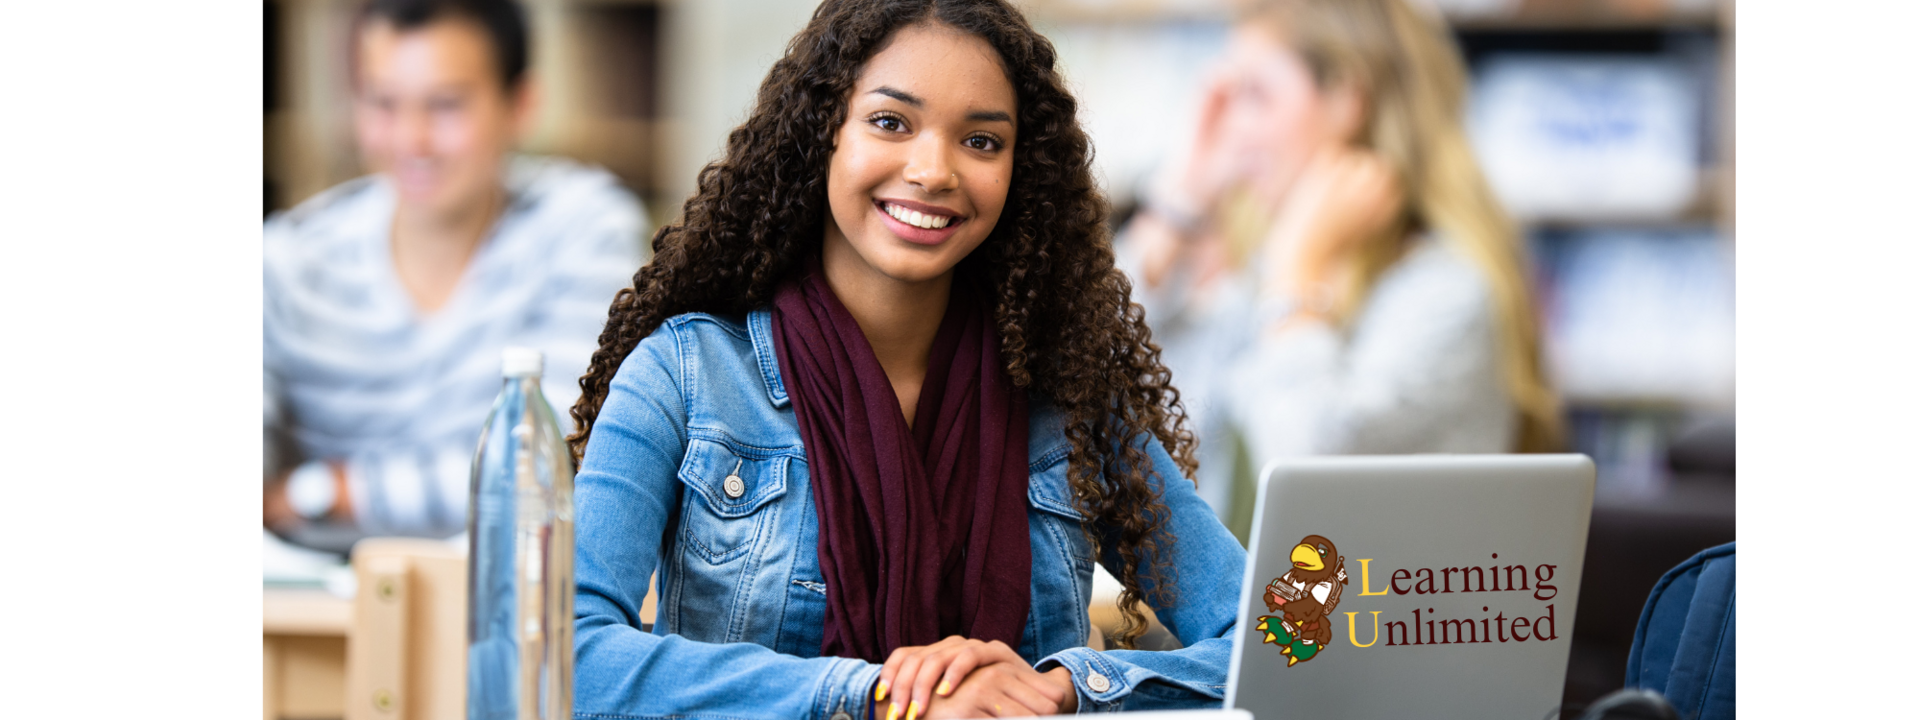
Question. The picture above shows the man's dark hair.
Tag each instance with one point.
(504, 21)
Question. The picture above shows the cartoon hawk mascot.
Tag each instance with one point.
(1305, 598)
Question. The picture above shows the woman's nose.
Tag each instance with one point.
(929, 166)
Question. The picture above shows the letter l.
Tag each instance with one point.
(1366, 584)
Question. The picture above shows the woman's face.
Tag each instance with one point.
(1276, 114)
(920, 170)
(431, 113)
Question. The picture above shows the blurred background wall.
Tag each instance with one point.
(1605, 125)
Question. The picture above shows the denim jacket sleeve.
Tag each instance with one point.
(1206, 564)
(625, 495)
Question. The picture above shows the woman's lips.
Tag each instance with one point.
(912, 233)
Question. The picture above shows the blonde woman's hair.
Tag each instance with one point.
(1405, 66)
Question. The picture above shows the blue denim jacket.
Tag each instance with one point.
(741, 599)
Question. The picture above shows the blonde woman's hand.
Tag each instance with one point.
(1187, 193)
(1211, 162)
(914, 677)
(1343, 197)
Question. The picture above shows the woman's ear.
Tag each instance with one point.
(1346, 106)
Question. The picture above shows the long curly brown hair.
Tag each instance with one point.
(1069, 331)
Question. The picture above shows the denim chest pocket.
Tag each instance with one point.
(1049, 495)
(729, 487)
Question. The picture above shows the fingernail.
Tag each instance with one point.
(880, 691)
(944, 689)
(893, 711)
(913, 708)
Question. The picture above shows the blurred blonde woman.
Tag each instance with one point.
(1324, 261)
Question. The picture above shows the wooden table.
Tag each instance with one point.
(304, 634)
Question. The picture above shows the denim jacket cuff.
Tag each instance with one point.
(1103, 685)
(845, 690)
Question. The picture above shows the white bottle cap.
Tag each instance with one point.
(520, 362)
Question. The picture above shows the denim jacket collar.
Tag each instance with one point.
(760, 328)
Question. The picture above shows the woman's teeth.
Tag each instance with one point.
(917, 219)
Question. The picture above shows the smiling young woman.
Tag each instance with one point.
(881, 401)
(917, 181)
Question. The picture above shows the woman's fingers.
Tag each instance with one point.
(1044, 691)
(1030, 698)
(943, 669)
(897, 673)
(943, 677)
(915, 689)
(913, 678)
(995, 690)
(902, 688)
(884, 688)
(1022, 699)
(970, 656)
(1048, 689)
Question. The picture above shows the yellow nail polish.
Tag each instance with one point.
(945, 689)
(893, 711)
(913, 709)
(880, 691)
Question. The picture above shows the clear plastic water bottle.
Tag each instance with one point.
(520, 561)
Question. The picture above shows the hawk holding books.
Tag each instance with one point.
(1305, 597)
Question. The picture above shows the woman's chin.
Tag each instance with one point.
(908, 263)
(915, 273)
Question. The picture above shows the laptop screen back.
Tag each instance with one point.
(1413, 586)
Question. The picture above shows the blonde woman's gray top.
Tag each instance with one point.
(1417, 371)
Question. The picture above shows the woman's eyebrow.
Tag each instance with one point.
(915, 101)
(901, 95)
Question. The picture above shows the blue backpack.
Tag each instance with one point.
(1683, 647)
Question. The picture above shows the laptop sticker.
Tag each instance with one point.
(1304, 599)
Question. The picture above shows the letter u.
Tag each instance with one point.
(1353, 635)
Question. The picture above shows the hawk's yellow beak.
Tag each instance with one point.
(1306, 558)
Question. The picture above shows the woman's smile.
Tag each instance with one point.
(919, 223)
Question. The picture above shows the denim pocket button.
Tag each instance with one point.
(1098, 683)
(731, 493)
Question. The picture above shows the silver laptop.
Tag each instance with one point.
(1411, 586)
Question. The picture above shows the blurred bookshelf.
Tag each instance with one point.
(596, 65)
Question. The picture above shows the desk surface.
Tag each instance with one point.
(301, 611)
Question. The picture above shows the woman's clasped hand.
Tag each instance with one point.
(962, 678)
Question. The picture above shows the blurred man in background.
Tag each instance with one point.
(388, 298)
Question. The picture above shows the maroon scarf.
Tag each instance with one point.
(923, 533)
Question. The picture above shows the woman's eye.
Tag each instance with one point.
(983, 143)
(889, 123)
